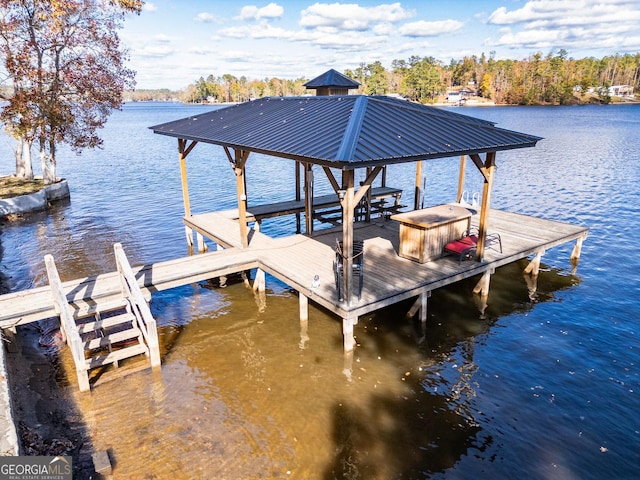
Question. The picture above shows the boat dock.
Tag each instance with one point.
(398, 255)
(296, 260)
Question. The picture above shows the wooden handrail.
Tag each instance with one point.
(67, 323)
(131, 290)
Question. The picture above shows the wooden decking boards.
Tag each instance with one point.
(296, 259)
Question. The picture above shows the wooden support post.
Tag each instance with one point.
(347, 333)
(183, 151)
(308, 198)
(482, 287)
(298, 196)
(242, 207)
(304, 320)
(463, 163)
(421, 304)
(487, 169)
(202, 247)
(367, 214)
(418, 189)
(238, 162)
(259, 283)
(575, 254)
(424, 297)
(304, 306)
(534, 265)
(222, 280)
(347, 232)
(531, 275)
(577, 250)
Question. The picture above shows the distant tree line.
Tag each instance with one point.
(552, 79)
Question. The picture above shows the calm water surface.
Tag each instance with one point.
(544, 385)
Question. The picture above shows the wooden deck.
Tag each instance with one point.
(388, 279)
(296, 259)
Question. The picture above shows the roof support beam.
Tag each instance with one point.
(481, 166)
(366, 185)
(332, 179)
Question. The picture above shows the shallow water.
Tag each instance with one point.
(544, 385)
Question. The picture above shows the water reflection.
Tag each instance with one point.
(238, 389)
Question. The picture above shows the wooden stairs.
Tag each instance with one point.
(108, 330)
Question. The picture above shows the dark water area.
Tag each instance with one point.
(544, 384)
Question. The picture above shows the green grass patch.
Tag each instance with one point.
(14, 187)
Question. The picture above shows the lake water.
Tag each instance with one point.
(543, 385)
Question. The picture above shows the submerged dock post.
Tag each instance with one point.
(482, 287)
(347, 333)
(534, 265)
(304, 320)
(577, 249)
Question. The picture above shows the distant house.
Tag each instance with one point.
(454, 97)
(621, 91)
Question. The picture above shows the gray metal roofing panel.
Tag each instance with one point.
(346, 132)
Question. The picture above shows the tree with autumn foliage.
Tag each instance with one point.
(64, 61)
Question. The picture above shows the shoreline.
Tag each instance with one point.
(35, 202)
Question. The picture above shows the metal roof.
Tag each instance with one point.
(332, 78)
(346, 132)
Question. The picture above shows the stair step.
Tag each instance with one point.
(112, 338)
(107, 322)
(116, 355)
(83, 309)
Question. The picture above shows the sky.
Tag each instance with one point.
(171, 44)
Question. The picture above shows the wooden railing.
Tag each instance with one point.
(68, 325)
(140, 309)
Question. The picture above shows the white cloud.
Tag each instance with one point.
(149, 7)
(162, 38)
(430, 29)
(350, 16)
(342, 41)
(383, 29)
(584, 24)
(204, 17)
(259, 31)
(251, 12)
(156, 51)
(241, 31)
(572, 12)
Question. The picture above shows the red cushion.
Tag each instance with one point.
(458, 246)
